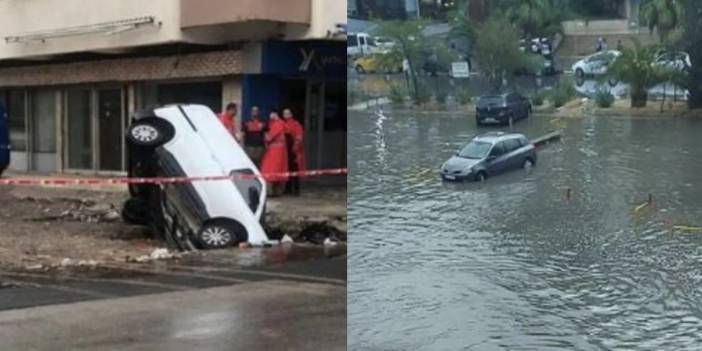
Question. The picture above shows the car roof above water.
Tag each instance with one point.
(494, 137)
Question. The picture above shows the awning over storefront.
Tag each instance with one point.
(194, 65)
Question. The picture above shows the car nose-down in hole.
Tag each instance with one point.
(189, 141)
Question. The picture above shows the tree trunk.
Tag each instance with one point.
(693, 25)
(639, 97)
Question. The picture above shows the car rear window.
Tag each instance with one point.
(512, 144)
(490, 100)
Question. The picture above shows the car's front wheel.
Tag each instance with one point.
(579, 73)
(480, 177)
(148, 133)
(218, 235)
(360, 69)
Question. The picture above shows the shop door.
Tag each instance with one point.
(110, 114)
(314, 124)
(43, 131)
(79, 127)
(333, 149)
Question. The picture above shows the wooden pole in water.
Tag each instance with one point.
(569, 193)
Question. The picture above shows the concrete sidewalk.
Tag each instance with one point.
(270, 315)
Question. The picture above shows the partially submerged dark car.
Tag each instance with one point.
(189, 141)
(502, 109)
(489, 154)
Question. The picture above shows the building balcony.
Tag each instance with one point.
(199, 13)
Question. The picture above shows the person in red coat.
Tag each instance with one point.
(275, 160)
(296, 150)
(228, 119)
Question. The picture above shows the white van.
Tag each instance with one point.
(190, 141)
(359, 44)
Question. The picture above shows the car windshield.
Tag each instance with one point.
(475, 150)
(490, 100)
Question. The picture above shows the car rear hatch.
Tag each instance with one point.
(490, 106)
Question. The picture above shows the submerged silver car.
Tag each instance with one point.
(489, 154)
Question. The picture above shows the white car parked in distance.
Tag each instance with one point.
(679, 60)
(190, 141)
(596, 64)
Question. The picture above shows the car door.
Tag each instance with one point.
(513, 157)
(496, 159)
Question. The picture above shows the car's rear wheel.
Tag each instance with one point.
(528, 164)
(220, 234)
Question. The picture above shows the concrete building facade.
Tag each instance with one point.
(72, 72)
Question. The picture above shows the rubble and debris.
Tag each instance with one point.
(286, 239)
(61, 228)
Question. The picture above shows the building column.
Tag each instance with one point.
(232, 92)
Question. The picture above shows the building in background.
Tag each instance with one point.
(383, 9)
(73, 71)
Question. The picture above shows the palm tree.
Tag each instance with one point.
(664, 15)
(636, 67)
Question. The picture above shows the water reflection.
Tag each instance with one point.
(590, 87)
(515, 264)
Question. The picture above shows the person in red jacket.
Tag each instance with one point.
(275, 160)
(228, 119)
(296, 150)
(254, 134)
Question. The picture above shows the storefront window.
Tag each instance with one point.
(15, 105)
(80, 141)
(44, 121)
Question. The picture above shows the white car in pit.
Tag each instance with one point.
(189, 141)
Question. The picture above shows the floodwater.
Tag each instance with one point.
(513, 264)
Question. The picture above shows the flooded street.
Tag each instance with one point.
(513, 264)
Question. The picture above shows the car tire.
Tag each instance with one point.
(360, 70)
(510, 120)
(579, 73)
(219, 235)
(528, 164)
(135, 211)
(480, 177)
(149, 133)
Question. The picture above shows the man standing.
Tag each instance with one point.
(296, 150)
(254, 130)
(228, 119)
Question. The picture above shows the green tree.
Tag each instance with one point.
(636, 67)
(664, 15)
(497, 52)
(409, 44)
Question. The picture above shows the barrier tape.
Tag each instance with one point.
(166, 180)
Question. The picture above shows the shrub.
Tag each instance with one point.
(464, 97)
(397, 93)
(562, 92)
(441, 97)
(604, 98)
(537, 99)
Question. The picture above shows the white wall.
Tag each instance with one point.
(326, 14)
(21, 16)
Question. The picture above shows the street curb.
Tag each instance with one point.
(361, 106)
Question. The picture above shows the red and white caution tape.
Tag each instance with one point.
(165, 180)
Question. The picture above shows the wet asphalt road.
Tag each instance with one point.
(272, 299)
(512, 264)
